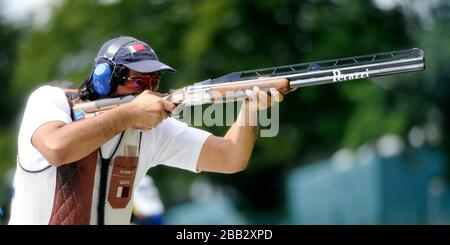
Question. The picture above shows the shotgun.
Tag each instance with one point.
(231, 87)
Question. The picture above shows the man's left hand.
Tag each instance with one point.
(260, 100)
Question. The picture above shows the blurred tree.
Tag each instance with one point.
(8, 39)
(9, 101)
(9, 104)
(431, 96)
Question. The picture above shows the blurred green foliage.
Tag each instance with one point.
(206, 39)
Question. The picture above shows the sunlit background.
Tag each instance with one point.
(372, 151)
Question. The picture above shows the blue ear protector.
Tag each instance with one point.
(103, 72)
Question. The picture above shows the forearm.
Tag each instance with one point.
(231, 153)
(72, 142)
(241, 137)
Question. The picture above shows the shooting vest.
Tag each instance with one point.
(94, 188)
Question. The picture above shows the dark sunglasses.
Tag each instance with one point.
(140, 83)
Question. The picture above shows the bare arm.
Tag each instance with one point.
(62, 143)
(231, 153)
(228, 154)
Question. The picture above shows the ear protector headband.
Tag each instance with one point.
(101, 78)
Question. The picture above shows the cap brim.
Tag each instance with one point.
(147, 66)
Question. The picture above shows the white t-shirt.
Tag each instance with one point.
(171, 143)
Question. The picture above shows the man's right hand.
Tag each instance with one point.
(148, 110)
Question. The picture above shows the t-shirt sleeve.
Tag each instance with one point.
(173, 143)
(46, 104)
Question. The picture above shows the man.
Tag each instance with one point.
(84, 172)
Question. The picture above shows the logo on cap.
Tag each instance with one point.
(136, 48)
